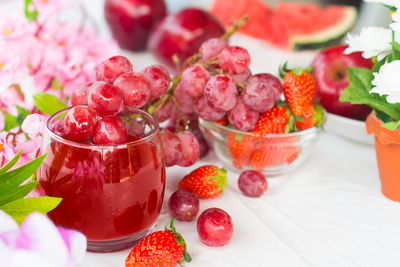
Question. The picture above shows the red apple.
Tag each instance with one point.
(182, 34)
(330, 72)
(131, 21)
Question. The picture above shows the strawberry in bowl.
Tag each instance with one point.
(263, 132)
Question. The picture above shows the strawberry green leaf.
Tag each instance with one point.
(21, 208)
(221, 178)
(47, 103)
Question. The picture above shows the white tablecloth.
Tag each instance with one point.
(328, 212)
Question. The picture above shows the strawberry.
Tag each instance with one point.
(223, 121)
(206, 181)
(241, 148)
(274, 121)
(274, 151)
(312, 116)
(298, 87)
(162, 248)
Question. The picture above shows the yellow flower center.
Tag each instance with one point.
(7, 31)
(1, 65)
(1, 147)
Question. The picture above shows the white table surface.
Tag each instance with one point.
(328, 212)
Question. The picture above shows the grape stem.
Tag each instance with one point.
(235, 27)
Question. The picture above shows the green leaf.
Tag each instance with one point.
(358, 92)
(391, 125)
(377, 66)
(30, 11)
(22, 114)
(11, 162)
(12, 179)
(10, 122)
(19, 192)
(20, 208)
(47, 103)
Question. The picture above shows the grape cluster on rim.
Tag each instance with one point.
(97, 106)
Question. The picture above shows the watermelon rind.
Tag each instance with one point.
(326, 37)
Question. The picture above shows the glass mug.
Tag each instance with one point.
(111, 193)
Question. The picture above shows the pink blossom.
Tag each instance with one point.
(12, 66)
(39, 242)
(2, 122)
(30, 149)
(6, 150)
(15, 27)
(11, 97)
(49, 8)
(34, 125)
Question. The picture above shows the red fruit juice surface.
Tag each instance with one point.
(108, 194)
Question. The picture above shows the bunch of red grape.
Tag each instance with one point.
(117, 87)
(220, 84)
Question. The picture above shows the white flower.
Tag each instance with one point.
(372, 42)
(396, 21)
(387, 81)
(393, 3)
(38, 242)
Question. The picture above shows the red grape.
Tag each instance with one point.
(158, 77)
(185, 101)
(220, 92)
(78, 124)
(194, 78)
(211, 48)
(234, 59)
(252, 183)
(80, 95)
(190, 149)
(243, 117)
(110, 131)
(184, 205)
(241, 77)
(105, 99)
(206, 112)
(165, 111)
(113, 67)
(172, 148)
(262, 91)
(134, 88)
(215, 227)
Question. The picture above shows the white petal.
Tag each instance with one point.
(393, 99)
(372, 41)
(76, 244)
(39, 234)
(394, 3)
(23, 258)
(7, 223)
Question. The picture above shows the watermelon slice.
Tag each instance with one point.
(291, 25)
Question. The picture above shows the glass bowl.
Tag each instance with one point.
(271, 154)
(111, 193)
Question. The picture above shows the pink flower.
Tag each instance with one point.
(11, 97)
(38, 242)
(6, 150)
(34, 125)
(12, 67)
(13, 27)
(48, 8)
(1, 121)
(30, 149)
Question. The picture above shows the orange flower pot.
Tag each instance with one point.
(387, 148)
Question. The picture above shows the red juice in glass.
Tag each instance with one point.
(112, 194)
